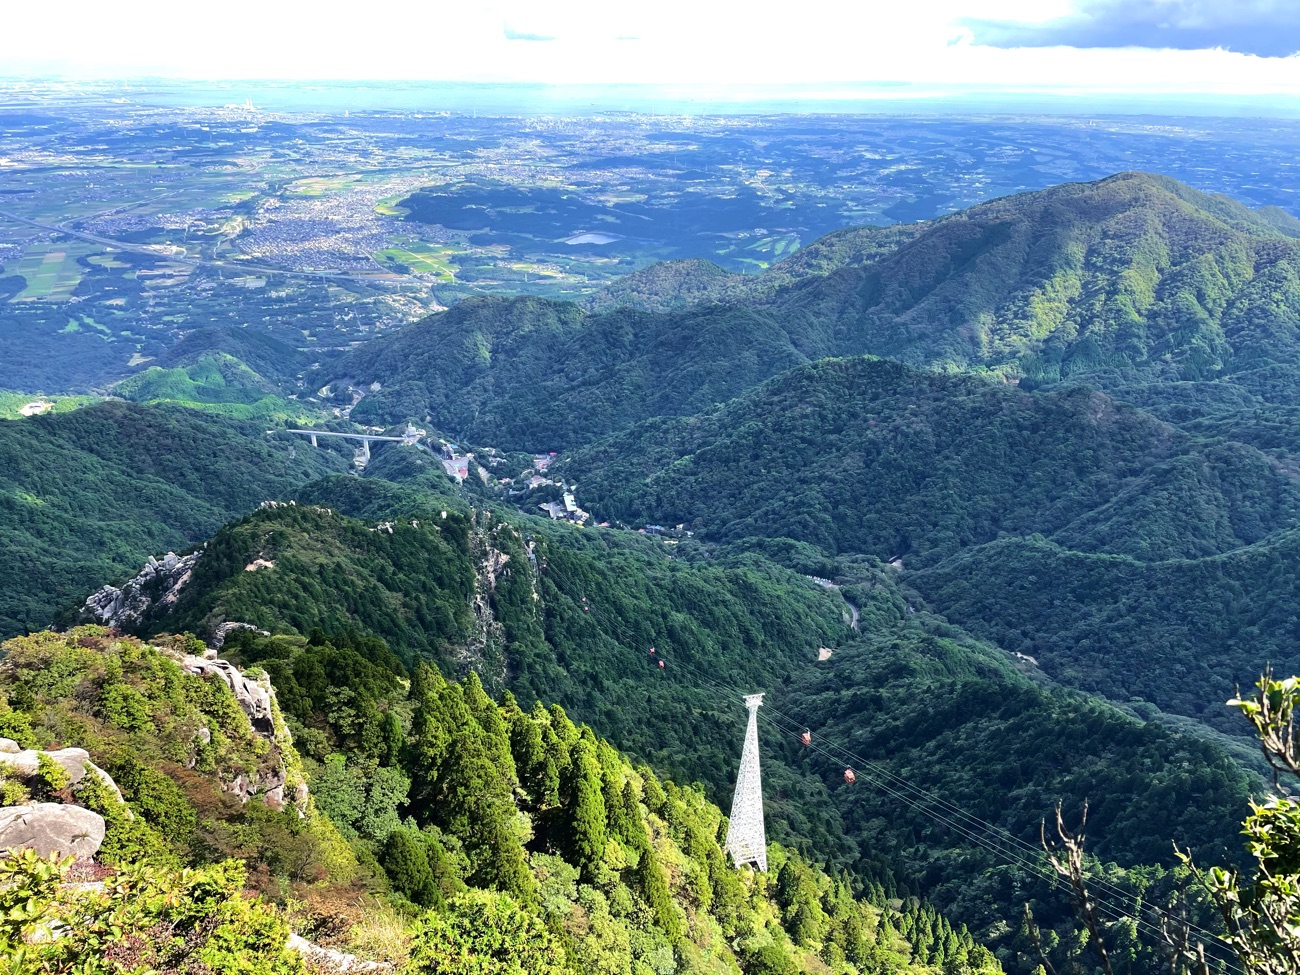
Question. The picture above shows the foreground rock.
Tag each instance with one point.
(24, 763)
(52, 827)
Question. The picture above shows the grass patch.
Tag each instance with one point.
(105, 260)
(12, 404)
(389, 208)
(421, 258)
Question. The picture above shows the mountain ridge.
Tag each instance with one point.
(1133, 275)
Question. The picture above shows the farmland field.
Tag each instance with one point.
(152, 218)
(51, 272)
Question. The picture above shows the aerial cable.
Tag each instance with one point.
(1029, 858)
(1023, 854)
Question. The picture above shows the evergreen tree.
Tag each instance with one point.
(652, 885)
(488, 715)
(485, 934)
(406, 863)
(584, 808)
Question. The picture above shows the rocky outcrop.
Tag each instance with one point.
(277, 786)
(254, 696)
(50, 828)
(155, 588)
(24, 763)
(223, 630)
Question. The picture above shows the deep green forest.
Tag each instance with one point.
(87, 496)
(908, 692)
(436, 821)
(1128, 556)
(999, 507)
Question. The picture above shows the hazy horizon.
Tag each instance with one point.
(328, 95)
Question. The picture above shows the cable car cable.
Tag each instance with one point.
(922, 800)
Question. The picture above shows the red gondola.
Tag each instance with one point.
(850, 776)
(806, 737)
(652, 651)
(661, 665)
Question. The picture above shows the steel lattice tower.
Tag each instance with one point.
(746, 835)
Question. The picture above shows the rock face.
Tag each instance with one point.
(254, 697)
(51, 827)
(223, 630)
(157, 587)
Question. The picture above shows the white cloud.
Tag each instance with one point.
(686, 42)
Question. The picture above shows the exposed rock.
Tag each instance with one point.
(156, 588)
(51, 827)
(331, 960)
(224, 630)
(23, 763)
(9, 745)
(253, 696)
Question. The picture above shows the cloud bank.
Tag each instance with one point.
(1267, 28)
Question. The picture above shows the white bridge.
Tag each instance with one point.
(411, 437)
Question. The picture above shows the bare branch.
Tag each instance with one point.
(1065, 853)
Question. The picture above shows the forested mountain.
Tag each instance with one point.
(86, 496)
(865, 455)
(263, 354)
(1128, 557)
(527, 374)
(559, 614)
(230, 371)
(443, 825)
(1133, 271)
(1182, 634)
(1131, 279)
(987, 548)
(671, 285)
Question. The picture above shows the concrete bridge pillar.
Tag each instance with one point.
(365, 448)
(313, 441)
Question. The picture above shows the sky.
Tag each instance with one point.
(1219, 47)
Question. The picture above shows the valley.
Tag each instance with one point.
(403, 551)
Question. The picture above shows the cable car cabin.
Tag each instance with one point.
(850, 776)
(806, 737)
(661, 665)
(652, 651)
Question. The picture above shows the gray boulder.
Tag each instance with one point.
(23, 763)
(254, 697)
(155, 588)
(51, 827)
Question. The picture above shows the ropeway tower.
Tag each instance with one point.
(746, 834)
